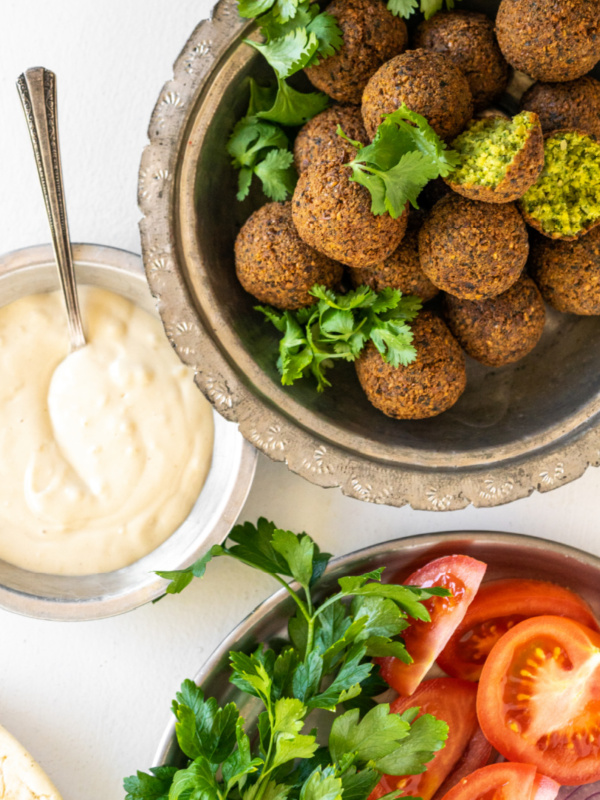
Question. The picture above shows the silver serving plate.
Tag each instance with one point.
(507, 555)
(59, 597)
(529, 426)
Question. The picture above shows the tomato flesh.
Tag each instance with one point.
(496, 782)
(453, 701)
(539, 698)
(498, 607)
(425, 640)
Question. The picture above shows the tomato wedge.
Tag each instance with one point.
(477, 754)
(504, 782)
(539, 698)
(497, 608)
(425, 640)
(454, 701)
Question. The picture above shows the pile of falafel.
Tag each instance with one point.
(512, 227)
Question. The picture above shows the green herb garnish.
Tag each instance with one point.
(326, 663)
(400, 161)
(338, 326)
(405, 8)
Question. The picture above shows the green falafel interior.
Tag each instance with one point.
(488, 147)
(565, 201)
(404, 156)
(338, 326)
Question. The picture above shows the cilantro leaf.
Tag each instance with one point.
(431, 7)
(291, 107)
(322, 785)
(249, 137)
(253, 8)
(203, 729)
(427, 736)
(324, 26)
(425, 139)
(289, 53)
(402, 8)
(142, 786)
(277, 174)
(272, 27)
(195, 782)
(394, 342)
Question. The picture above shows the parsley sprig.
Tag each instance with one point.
(404, 156)
(405, 8)
(338, 326)
(326, 663)
(296, 35)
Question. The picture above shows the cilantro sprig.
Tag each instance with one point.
(296, 35)
(404, 156)
(338, 326)
(326, 663)
(405, 8)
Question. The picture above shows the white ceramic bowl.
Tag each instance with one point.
(59, 597)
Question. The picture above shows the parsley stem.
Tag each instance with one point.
(297, 600)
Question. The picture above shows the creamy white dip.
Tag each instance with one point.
(103, 452)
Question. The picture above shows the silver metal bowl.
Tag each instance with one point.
(529, 426)
(507, 556)
(58, 597)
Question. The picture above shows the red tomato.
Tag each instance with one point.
(539, 698)
(504, 782)
(498, 607)
(477, 754)
(425, 640)
(454, 701)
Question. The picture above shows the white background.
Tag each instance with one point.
(90, 700)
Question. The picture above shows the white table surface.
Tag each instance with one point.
(90, 700)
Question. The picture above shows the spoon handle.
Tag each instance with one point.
(37, 89)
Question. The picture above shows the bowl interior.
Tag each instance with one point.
(228, 482)
(504, 413)
(507, 556)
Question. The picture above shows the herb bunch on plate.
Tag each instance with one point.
(325, 665)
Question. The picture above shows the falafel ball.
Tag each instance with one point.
(318, 140)
(550, 40)
(568, 273)
(371, 34)
(564, 203)
(402, 270)
(275, 265)
(500, 159)
(501, 329)
(574, 104)
(473, 250)
(333, 214)
(429, 83)
(468, 39)
(425, 388)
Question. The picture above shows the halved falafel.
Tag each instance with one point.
(550, 40)
(473, 250)
(564, 203)
(501, 329)
(371, 34)
(402, 270)
(429, 83)
(318, 139)
(333, 214)
(425, 388)
(568, 273)
(275, 265)
(499, 158)
(574, 104)
(468, 39)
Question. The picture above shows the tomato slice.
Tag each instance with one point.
(425, 640)
(504, 782)
(454, 701)
(539, 698)
(497, 608)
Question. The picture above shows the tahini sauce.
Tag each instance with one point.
(103, 452)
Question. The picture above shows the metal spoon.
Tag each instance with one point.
(37, 89)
